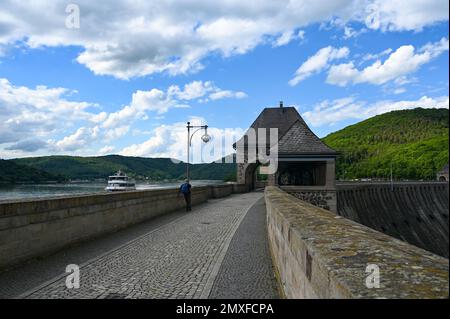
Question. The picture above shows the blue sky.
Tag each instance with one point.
(127, 79)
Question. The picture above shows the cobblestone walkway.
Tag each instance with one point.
(246, 271)
(180, 259)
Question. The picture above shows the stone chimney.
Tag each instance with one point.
(281, 107)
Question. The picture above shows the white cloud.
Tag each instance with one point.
(152, 100)
(107, 149)
(350, 32)
(200, 89)
(30, 145)
(342, 74)
(399, 90)
(403, 61)
(160, 102)
(435, 49)
(288, 36)
(38, 113)
(222, 94)
(318, 62)
(127, 38)
(125, 115)
(397, 86)
(370, 56)
(114, 133)
(193, 90)
(301, 34)
(403, 80)
(284, 38)
(45, 119)
(332, 112)
(399, 15)
(82, 137)
(170, 141)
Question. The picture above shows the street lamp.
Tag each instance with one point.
(205, 138)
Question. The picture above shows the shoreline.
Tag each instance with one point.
(37, 191)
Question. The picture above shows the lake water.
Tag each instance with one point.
(14, 192)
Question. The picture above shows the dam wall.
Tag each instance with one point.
(319, 254)
(416, 212)
(32, 228)
(319, 196)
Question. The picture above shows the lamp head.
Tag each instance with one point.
(206, 138)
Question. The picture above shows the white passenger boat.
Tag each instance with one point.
(120, 182)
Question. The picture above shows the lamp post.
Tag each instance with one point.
(205, 138)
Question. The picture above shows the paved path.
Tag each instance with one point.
(175, 256)
(246, 271)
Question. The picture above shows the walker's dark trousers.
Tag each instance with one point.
(187, 199)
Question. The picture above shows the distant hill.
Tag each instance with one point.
(156, 169)
(414, 141)
(11, 172)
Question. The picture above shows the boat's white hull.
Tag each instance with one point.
(119, 188)
(119, 183)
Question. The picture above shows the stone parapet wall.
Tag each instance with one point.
(32, 228)
(260, 184)
(218, 191)
(322, 197)
(240, 188)
(319, 254)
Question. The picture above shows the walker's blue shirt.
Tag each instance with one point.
(185, 188)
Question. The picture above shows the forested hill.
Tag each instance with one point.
(414, 142)
(157, 169)
(11, 172)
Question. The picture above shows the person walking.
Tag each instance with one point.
(185, 188)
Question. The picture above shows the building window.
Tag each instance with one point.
(302, 173)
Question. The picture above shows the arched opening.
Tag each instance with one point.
(255, 176)
(262, 176)
(442, 179)
(250, 176)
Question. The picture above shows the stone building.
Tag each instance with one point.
(306, 165)
(442, 175)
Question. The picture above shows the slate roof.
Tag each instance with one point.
(294, 135)
(281, 118)
(299, 139)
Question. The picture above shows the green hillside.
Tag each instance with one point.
(138, 167)
(11, 172)
(414, 142)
